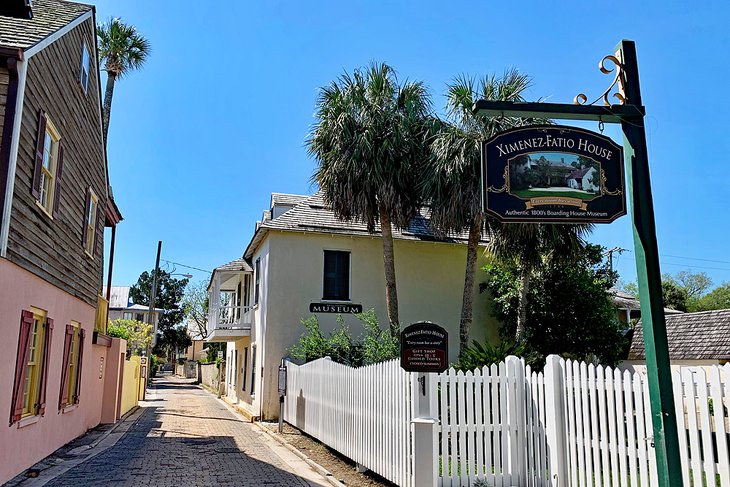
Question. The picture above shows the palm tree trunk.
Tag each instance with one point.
(107, 109)
(391, 294)
(467, 304)
(522, 305)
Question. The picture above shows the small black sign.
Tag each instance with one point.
(424, 347)
(553, 174)
(335, 308)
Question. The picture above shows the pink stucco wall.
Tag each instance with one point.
(113, 379)
(21, 447)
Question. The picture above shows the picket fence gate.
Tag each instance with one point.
(574, 424)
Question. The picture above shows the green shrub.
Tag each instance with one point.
(117, 331)
(477, 355)
(376, 345)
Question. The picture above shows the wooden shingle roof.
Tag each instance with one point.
(691, 336)
(48, 17)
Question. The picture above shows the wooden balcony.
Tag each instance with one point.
(227, 323)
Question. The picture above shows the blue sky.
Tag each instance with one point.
(217, 119)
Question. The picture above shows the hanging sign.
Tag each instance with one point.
(424, 347)
(553, 174)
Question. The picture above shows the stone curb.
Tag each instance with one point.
(317, 467)
(94, 448)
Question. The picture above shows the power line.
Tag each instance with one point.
(690, 266)
(187, 266)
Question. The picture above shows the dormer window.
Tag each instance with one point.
(85, 63)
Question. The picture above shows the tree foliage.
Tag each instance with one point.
(195, 307)
(172, 340)
(121, 50)
(170, 292)
(570, 312)
(451, 182)
(370, 140)
(374, 346)
(688, 291)
(138, 335)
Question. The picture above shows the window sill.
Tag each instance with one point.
(28, 421)
(44, 209)
(336, 301)
(70, 408)
(88, 254)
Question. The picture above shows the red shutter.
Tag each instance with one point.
(79, 365)
(39, 146)
(99, 227)
(59, 175)
(41, 409)
(68, 339)
(86, 217)
(21, 366)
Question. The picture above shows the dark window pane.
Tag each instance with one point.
(336, 275)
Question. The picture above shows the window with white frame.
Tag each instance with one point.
(85, 69)
(92, 207)
(49, 166)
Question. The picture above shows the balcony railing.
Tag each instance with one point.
(230, 317)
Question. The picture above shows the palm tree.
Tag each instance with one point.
(369, 141)
(122, 50)
(530, 245)
(453, 178)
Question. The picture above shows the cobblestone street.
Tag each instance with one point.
(186, 437)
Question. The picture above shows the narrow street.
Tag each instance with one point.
(184, 436)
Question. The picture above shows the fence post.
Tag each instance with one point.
(517, 426)
(425, 443)
(555, 417)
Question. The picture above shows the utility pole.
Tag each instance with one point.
(151, 314)
(609, 253)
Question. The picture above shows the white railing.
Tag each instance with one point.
(229, 317)
(363, 413)
(575, 424)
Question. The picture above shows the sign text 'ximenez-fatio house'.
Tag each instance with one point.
(301, 261)
(59, 370)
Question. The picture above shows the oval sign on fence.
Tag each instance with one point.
(424, 347)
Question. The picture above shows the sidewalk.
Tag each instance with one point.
(180, 436)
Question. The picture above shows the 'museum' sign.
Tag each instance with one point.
(424, 347)
(335, 308)
(553, 174)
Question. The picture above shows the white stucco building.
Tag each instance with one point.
(300, 257)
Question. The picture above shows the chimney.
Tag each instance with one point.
(20, 9)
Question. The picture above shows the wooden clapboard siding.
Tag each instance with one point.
(53, 248)
(4, 80)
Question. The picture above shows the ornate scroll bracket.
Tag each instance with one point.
(603, 186)
(581, 98)
(504, 188)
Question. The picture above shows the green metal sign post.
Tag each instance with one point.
(630, 114)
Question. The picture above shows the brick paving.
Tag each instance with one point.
(186, 437)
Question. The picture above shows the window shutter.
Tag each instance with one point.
(68, 339)
(41, 409)
(39, 146)
(79, 366)
(21, 366)
(99, 226)
(86, 217)
(59, 175)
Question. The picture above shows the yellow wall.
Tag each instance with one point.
(129, 386)
(430, 280)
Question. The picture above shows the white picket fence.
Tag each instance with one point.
(363, 413)
(574, 425)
